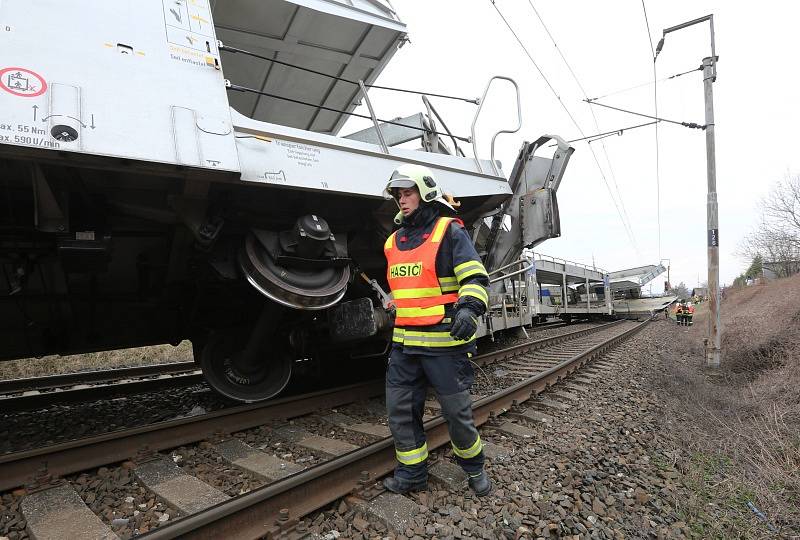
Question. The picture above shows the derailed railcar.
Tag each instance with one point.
(156, 188)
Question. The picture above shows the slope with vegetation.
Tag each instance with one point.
(739, 426)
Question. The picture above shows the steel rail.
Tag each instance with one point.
(68, 379)
(37, 401)
(93, 393)
(73, 456)
(40, 401)
(258, 514)
(530, 346)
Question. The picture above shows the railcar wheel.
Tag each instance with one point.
(300, 286)
(226, 371)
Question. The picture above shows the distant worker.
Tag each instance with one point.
(679, 314)
(439, 286)
(689, 314)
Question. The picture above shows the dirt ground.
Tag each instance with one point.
(739, 426)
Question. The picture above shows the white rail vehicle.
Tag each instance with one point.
(156, 189)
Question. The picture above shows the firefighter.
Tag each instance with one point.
(689, 313)
(438, 288)
(679, 314)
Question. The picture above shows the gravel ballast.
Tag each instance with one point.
(602, 469)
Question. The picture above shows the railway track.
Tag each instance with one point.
(36, 393)
(505, 378)
(41, 392)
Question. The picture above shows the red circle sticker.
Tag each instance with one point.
(22, 82)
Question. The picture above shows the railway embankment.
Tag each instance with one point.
(737, 429)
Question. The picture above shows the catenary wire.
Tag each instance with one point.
(655, 112)
(591, 110)
(625, 225)
(691, 125)
(601, 137)
(648, 83)
(620, 131)
(239, 88)
(230, 49)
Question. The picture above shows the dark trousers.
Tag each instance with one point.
(407, 379)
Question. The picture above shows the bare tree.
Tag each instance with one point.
(782, 205)
(777, 236)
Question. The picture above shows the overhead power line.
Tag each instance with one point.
(598, 136)
(648, 83)
(655, 110)
(626, 226)
(561, 54)
(620, 131)
(591, 110)
(691, 125)
(230, 49)
(649, 34)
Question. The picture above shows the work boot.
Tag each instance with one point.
(401, 486)
(480, 484)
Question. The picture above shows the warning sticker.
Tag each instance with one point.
(22, 82)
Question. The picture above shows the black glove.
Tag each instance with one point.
(465, 323)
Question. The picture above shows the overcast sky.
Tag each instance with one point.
(456, 45)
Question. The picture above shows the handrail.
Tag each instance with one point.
(381, 140)
(475, 121)
(433, 112)
(543, 257)
(512, 274)
(509, 265)
(506, 276)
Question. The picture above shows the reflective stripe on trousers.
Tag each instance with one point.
(468, 453)
(413, 456)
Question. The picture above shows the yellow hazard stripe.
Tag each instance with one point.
(439, 229)
(469, 268)
(416, 293)
(421, 333)
(415, 338)
(412, 457)
(476, 291)
(448, 284)
(470, 452)
(425, 343)
(420, 311)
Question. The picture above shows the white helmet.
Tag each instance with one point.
(419, 176)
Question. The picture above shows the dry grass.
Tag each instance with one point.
(741, 424)
(54, 365)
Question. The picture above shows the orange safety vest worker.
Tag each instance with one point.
(416, 291)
